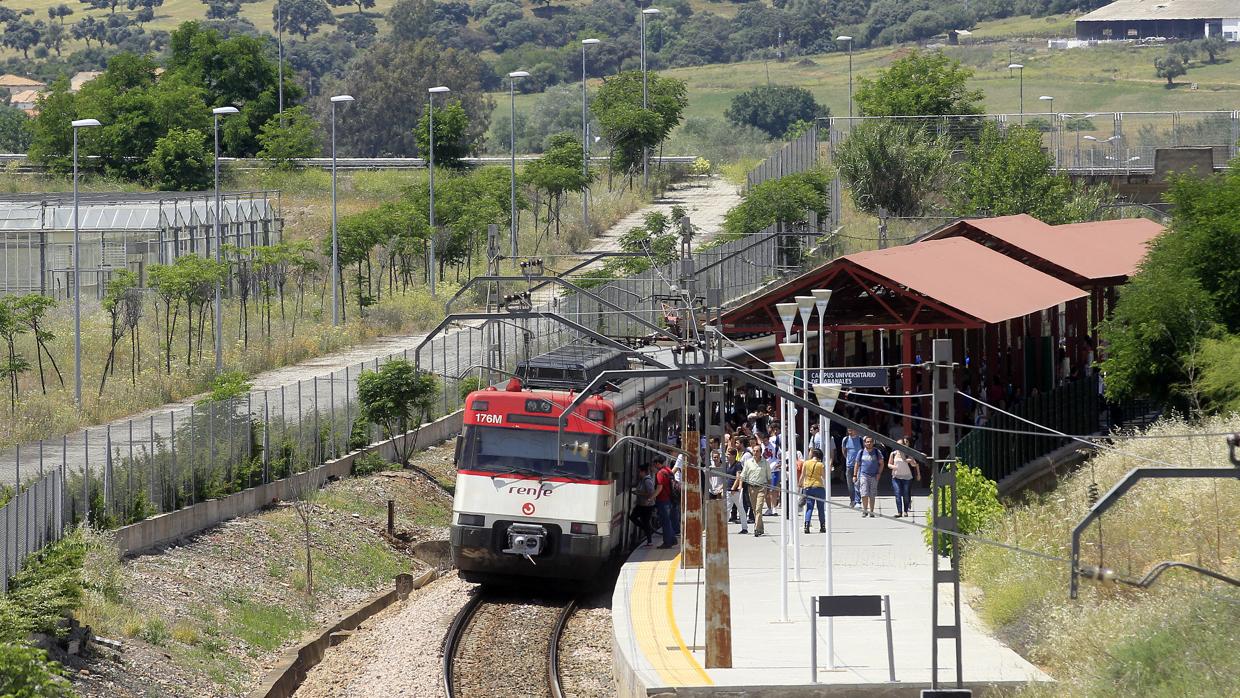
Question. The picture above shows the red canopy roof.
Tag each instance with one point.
(972, 278)
(1077, 252)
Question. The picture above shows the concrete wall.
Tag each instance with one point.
(166, 528)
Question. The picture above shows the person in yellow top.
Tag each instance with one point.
(813, 484)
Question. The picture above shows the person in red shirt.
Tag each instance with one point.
(665, 503)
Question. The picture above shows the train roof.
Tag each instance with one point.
(570, 367)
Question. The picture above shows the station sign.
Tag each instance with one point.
(856, 377)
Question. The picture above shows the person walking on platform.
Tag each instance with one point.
(665, 501)
(903, 470)
(736, 495)
(756, 474)
(643, 509)
(868, 469)
(852, 446)
(813, 479)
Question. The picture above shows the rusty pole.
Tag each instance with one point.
(718, 585)
(691, 478)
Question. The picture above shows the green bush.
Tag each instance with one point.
(977, 505)
(468, 385)
(26, 672)
(180, 161)
(369, 464)
(44, 592)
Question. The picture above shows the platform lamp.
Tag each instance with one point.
(783, 371)
(337, 99)
(649, 11)
(216, 113)
(512, 148)
(828, 394)
(77, 270)
(430, 271)
(806, 305)
(849, 39)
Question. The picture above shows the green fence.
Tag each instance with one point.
(1071, 408)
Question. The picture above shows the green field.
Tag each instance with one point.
(1097, 79)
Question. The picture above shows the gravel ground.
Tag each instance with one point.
(586, 652)
(504, 649)
(395, 653)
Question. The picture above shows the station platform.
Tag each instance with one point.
(659, 609)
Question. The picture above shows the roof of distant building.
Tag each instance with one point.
(16, 81)
(25, 97)
(83, 77)
(1135, 10)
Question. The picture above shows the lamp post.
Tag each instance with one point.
(791, 351)
(787, 315)
(827, 394)
(338, 99)
(645, 95)
(849, 39)
(1020, 68)
(77, 271)
(806, 305)
(430, 273)
(512, 143)
(216, 113)
(585, 141)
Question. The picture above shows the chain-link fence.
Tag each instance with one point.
(1092, 142)
(30, 520)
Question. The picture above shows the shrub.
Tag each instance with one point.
(26, 672)
(45, 591)
(700, 166)
(285, 138)
(977, 505)
(180, 161)
(369, 464)
(468, 385)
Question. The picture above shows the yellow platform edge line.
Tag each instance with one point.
(671, 618)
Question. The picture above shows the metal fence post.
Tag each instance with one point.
(317, 431)
(129, 477)
(64, 480)
(331, 399)
(85, 475)
(108, 506)
(266, 441)
(163, 481)
(172, 448)
(193, 481)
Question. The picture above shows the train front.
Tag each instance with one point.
(530, 501)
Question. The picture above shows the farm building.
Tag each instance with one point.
(1171, 19)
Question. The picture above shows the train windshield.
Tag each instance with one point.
(530, 452)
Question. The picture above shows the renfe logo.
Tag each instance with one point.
(537, 492)
(527, 509)
(484, 418)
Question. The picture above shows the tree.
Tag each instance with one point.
(280, 145)
(26, 672)
(361, 4)
(15, 131)
(51, 141)
(893, 166)
(628, 128)
(558, 171)
(88, 29)
(181, 161)
(14, 363)
(302, 17)
(1212, 46)
(358, 27)
(29, 310)
(61, 11)
(109, 5)
(397, 398)
(1186, 51)
(452, 143)
(223, 9)
(1007, 172)
(920, 84)
(122, 301)
(21, 35)
(53, 35)
(788, 199)
(390, 81)
(1169, 67)
(774, 108)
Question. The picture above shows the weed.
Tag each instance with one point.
(185, 633)
(263, 626)
(155, 632)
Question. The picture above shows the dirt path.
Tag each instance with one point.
(707, 199)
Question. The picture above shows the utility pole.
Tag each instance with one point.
(693, 410)
(494, 330)
(718, 578)
(944, 505)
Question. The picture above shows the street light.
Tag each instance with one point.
(512, 142)
(1050, 102)
(822, 297)
(430, 275)
(783, 371)
(849, 39)
(1021, 68)
(338, 99)
(645, 95)
(77, 271)
(806, 305)
(219, 243)
(585, 141)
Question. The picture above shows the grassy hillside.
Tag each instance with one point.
(1173, 639)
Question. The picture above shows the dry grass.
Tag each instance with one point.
(1174, 639)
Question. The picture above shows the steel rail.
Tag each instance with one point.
(452, 640)
(553, 650)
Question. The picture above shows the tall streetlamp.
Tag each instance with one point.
(219, 243)
(849, 39)
(1020, 68)
(645, 95)
(280, 60)
(585, 141)
(338, 99)
(512, 143)
(430, 275)
(827, 394)
(1050, 105)
(787, 315)
(77, 270)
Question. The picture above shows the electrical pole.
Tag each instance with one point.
(718, 578)
(944, 505)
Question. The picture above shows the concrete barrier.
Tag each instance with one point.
(166, 528)
(287, 676)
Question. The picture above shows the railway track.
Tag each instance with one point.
(504, 645)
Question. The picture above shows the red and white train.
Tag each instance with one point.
(531, 502)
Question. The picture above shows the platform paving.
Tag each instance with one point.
(871, 556)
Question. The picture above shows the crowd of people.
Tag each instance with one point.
(747, 467)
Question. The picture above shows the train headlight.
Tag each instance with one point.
(584, 529)
(471, 519)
